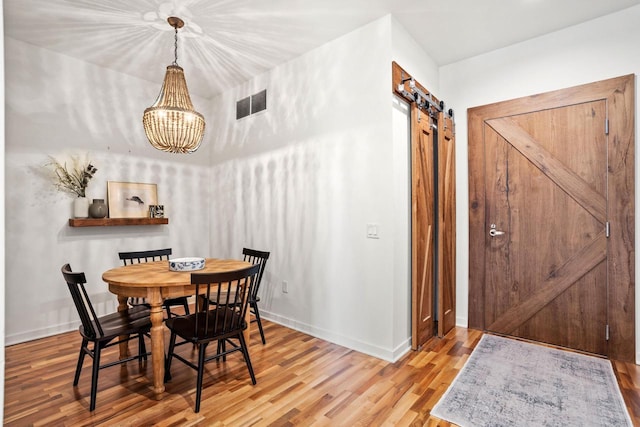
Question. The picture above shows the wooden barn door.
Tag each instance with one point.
(433, 216)
(422, 228)
(552, 213)
(446, 237)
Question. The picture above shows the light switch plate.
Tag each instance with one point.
(373, 231)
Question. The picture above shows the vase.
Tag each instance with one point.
(81, 207)
(98, 209)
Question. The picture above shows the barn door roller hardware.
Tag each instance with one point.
(424, 101)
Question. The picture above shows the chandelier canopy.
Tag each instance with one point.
(171, 123)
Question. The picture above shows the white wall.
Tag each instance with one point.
(60, 106)
(401, 123)
(303, 180)
(597, 50)
(413, 59)
(2, 219)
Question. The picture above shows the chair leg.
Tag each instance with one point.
(219, 349)
(245, 353)
(80, 361)
(172, 347)
(142, 348)
(201, 353)
(94, 375)
(256, 312)
(185, 304)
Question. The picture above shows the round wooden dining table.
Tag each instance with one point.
(155, 282)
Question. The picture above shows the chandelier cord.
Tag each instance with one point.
(175, 51)
(175, 47)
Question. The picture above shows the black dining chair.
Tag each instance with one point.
(260, 258)
(102, 331)
(224, 322)
(137, 257)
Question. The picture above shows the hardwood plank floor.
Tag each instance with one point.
(301, 381)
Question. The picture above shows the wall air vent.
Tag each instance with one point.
(251, 104)
(259, 102)
(243, 108)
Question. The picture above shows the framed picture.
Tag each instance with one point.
(131, 199)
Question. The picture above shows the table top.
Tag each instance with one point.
(157, 273)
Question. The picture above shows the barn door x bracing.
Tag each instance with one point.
(551, 236)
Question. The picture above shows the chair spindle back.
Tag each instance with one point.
(137, 257)
(256, 258)
(232, 290)
(75, 282)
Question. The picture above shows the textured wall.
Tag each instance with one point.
(59, 106)
(304, 179)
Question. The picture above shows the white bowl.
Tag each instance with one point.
(186, 264)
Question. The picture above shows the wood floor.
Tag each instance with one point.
(302, 381)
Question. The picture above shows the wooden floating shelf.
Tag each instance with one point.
(107, 222)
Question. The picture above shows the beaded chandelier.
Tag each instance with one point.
(171, 123)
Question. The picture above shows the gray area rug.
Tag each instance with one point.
(507, 382)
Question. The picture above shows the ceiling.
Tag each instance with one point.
(227, 42)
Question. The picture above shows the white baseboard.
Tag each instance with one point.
(401, 350)
(462, 321)
(35, 334)
(362, 347)
(375, 351)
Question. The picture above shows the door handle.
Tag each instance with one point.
(493, 232)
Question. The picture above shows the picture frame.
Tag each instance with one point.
(130, 199)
